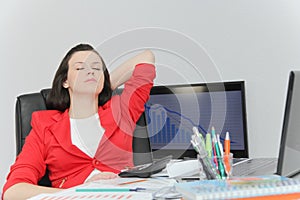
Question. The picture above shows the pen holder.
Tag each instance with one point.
(216, 167)
(223, 165)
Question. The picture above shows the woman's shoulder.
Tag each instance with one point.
(46, 115)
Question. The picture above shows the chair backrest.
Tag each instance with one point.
(26, 104)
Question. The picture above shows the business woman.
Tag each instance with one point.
(86, 134)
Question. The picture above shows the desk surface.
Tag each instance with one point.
(114, 189)
(157, 185)
(297, 176)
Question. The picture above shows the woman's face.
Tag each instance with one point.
(85, 73)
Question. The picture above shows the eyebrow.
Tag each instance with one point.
(80, 62)
(77, 62)
(96, 62)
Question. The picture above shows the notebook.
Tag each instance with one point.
(286, 164)
(241, 188)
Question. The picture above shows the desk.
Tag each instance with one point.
(156, 185)
(297, 176)
(152, 186)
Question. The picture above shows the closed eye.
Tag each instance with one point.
(97, 68)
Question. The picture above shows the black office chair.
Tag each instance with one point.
(28, 103)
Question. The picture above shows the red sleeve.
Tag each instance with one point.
(29, 166)
(135, 94)
(137, 89)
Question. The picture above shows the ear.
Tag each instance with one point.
(65, 84)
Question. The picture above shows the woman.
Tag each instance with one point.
(87, 134)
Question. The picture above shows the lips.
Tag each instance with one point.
(90, 80)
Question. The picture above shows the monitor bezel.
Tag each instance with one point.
(203, 87)
(285, 127)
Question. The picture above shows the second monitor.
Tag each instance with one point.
(173, 110)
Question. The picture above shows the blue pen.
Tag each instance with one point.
(109, 189)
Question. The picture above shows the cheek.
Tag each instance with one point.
(100, 83)
(73, 78)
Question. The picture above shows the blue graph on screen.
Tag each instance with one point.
(170, 119)
(166, 125)
(161, 115)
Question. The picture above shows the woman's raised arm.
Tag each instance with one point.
(124, 71)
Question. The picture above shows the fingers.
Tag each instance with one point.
(103, 175)
(107, 175)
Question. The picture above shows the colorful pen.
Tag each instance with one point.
(130, 182)
(219, 159)
(208, 145)
(198, 144)
(227, 152)
(214, 153)
(220, 144)
(195, 146)
(108, 189)
(227, 143)
(199, 136)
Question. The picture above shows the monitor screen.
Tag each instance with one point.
(172, 111)
(289, 152)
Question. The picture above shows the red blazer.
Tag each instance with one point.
(49, 143)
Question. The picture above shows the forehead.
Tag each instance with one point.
(84, 56)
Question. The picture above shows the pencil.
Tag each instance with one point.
(130, 182)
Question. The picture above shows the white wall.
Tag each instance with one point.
(257, 41)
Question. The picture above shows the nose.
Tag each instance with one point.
(91, 72)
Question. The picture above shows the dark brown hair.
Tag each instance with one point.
(59, 98)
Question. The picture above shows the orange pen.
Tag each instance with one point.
(227, 152)
(227, 144)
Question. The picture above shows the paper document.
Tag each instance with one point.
(96, 195)
(147, 183)
(102, 189)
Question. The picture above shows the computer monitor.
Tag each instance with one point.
(172, 111)
(289, 152)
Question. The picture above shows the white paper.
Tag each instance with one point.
(95, 195)
(151, 185)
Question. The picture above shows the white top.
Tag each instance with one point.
(86, 134)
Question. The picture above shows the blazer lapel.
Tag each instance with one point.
(62, 132)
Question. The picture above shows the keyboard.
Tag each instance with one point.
(255, 166)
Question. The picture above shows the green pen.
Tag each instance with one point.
(219, 158)
(208, 145)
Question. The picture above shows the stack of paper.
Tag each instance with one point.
(239, 188)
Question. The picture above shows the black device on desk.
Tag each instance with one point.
(146, 170)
